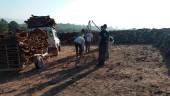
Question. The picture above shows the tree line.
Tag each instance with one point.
(69, 27)
(11, 26)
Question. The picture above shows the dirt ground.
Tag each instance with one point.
(135, 70)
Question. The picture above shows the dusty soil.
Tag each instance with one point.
(136, 70)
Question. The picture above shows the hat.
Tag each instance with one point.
(105, 26)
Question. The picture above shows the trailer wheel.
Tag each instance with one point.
(38, 61)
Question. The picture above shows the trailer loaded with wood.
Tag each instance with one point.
(24, 48)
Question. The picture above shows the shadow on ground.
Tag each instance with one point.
(57, 89)
(14, 76)
(65, 77)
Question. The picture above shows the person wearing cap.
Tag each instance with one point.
(103, 46)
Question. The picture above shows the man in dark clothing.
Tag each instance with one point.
(103, 46)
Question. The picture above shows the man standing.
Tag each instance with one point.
(88, 39)
(103, 46)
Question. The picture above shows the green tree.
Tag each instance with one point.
(23, 27)
(13, 26)
(3, 26)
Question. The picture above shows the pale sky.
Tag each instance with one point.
(115, 13)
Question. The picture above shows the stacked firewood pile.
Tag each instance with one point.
(32, 43)
(162, 41)
(68, 38)
(160, 38)
(38, 40)
(9, 55)
(40, 21)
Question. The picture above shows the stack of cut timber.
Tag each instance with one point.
(34, 43)
(165, 44)
(68, 37)
(38, 40)
(40, 21)
(9, 53)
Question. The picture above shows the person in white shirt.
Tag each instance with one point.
(79, 45)
(88, 39)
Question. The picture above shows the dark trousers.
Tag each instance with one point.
(103, 53)
(87, 46)
(79, 49)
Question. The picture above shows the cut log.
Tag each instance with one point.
(33, 43)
